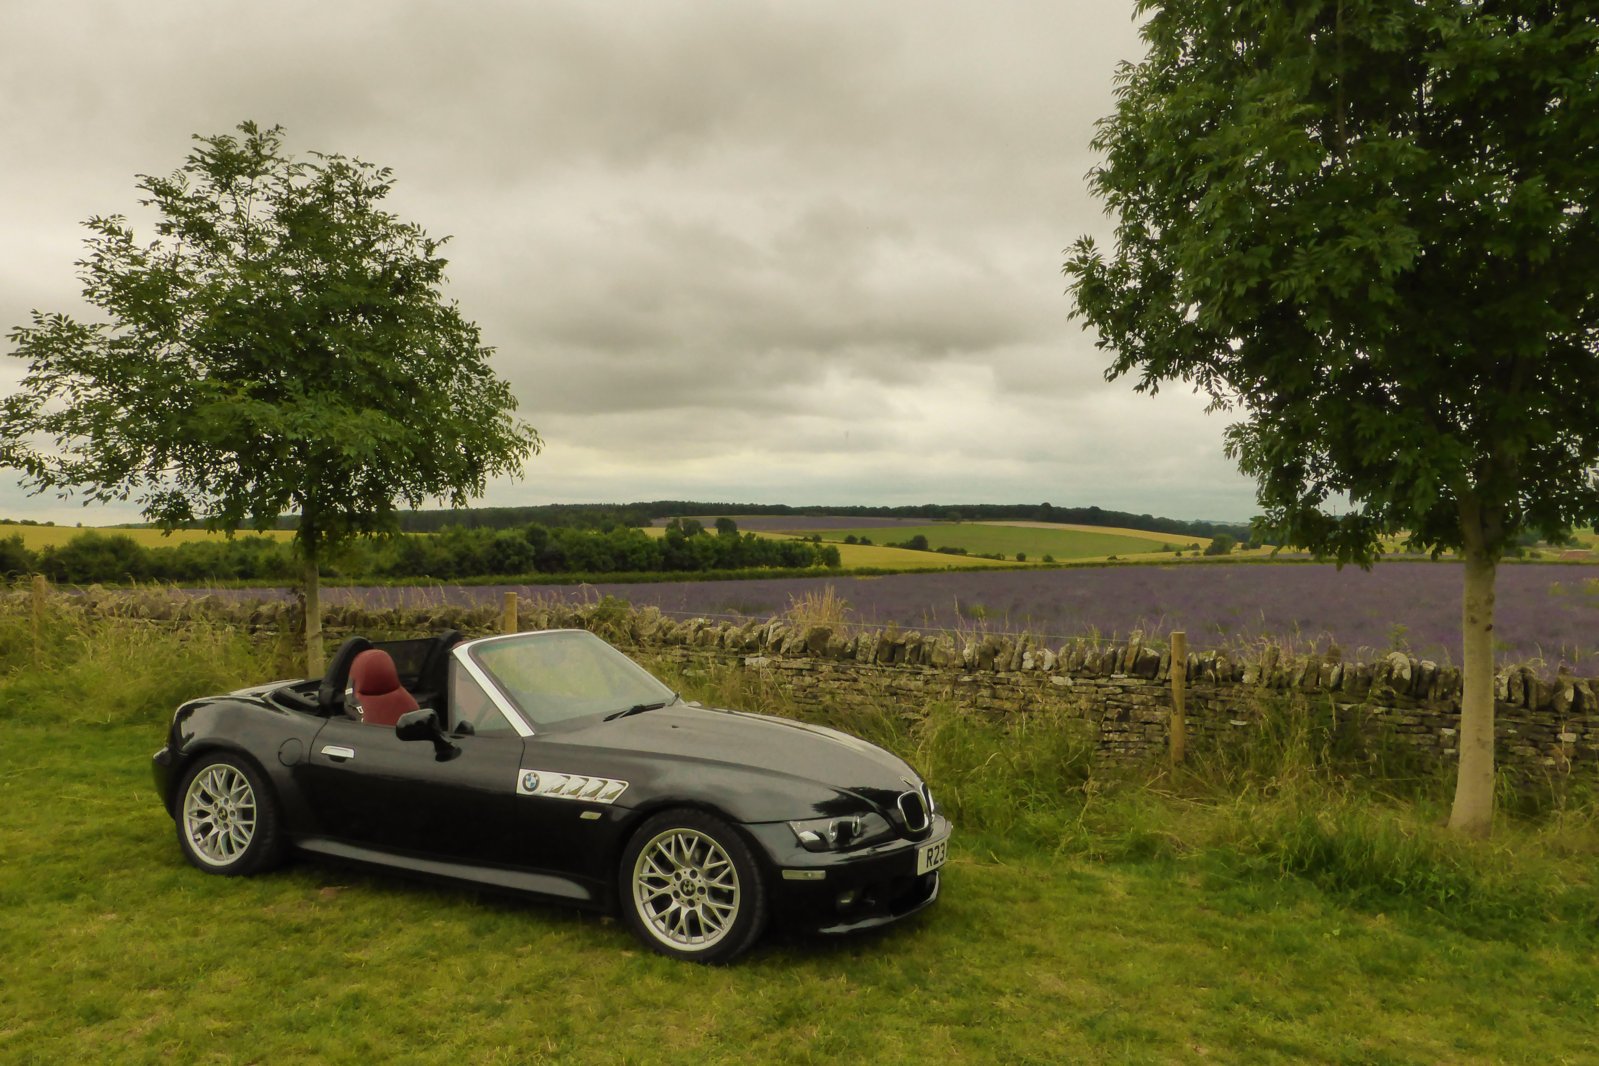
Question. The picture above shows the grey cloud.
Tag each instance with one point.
(799, 252)
(707, 305)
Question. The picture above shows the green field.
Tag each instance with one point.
(1035, 541)
(1262, 911)
(1141, 534)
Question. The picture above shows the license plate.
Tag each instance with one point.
(931, 856)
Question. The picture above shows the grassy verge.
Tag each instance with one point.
(1275, 907)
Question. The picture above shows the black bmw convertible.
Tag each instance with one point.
(550, 763)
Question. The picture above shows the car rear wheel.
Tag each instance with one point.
(227, 818)
(691, 888)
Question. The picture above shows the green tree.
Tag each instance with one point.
(1369, 228)
(15, 558)
(1220, 544)
(280, 346)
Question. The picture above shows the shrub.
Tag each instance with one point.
(90, 558)
(15, 558)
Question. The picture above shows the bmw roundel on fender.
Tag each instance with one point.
(550, 763)
(570, 786)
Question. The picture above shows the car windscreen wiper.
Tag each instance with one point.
(640, 708)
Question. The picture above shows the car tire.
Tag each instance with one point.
(227, 817)
(690, 887)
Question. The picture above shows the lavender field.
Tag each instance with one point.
(1548, 613)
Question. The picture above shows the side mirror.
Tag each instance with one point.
(424, 725)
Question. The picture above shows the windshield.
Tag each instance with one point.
(557, 676)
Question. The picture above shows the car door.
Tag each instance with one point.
(370, 788)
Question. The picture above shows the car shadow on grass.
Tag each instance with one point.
(489, 912)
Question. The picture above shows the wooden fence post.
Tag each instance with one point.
(1179, 688)
(508, 613)
(36, 604)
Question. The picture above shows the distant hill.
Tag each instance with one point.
(639, 514)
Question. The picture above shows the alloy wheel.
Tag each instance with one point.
(686, 889)
(219, 814)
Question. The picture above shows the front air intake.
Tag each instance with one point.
(914, 809)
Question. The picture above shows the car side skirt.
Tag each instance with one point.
(496, 877)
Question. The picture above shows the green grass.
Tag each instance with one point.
(1034, 541)
(1267, 907)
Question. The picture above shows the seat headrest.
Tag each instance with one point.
(378, 691)
(373, 673)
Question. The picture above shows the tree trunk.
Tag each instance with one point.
(1474, 787)
(315, 659)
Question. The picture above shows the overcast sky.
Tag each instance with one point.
(803, 252)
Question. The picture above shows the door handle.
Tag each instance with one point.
(338, 753)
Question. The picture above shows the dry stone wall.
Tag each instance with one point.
(1545, 725)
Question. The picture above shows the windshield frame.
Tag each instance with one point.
(522, 718)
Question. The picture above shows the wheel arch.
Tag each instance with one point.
(193, 754)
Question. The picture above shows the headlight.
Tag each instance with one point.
(838, 834)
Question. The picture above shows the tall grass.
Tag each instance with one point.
(820, 607)
(1380, 856)
(1291, 740)
(69, 667)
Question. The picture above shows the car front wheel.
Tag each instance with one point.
(227, 820)
(691, 889)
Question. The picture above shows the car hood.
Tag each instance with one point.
(791, 761)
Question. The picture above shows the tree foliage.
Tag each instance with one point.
(1368, 228)
(281, 345)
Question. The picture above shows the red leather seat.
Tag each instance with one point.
(378, 691)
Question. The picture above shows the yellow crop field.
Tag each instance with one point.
(875, 555)
(36, 537)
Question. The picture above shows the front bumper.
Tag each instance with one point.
(840, 892)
